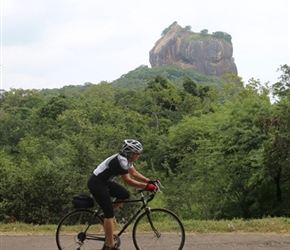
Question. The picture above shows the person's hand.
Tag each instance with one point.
(150, 187)
(152, 182)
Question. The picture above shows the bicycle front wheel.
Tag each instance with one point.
(158, 229)
(81, 229)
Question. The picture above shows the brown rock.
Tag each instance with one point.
(181, 47)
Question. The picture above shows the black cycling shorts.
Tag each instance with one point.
(103, 191)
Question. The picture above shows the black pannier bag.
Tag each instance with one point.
(82, 201)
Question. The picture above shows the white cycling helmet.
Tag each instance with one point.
(132, 146)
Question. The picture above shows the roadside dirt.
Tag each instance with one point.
(193, 242)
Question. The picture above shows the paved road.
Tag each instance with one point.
(193, 242)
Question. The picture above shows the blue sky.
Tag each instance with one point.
(55, 43)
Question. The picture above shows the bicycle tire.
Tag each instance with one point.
(168, 231)
(71, 235)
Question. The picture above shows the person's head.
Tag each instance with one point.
(131, 147)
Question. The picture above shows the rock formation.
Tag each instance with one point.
(205, 54)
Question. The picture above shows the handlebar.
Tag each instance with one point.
(158, 185)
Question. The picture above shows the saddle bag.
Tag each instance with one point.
(82, 201)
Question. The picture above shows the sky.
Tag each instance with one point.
(57, 43)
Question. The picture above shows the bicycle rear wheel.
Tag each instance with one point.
(81, 229)
(158, 229)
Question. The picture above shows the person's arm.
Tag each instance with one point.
(131, 182)
(137, 175)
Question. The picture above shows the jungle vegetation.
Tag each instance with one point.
(220, 147)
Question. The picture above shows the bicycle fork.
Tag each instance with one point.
(157, 233)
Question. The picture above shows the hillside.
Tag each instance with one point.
(138, 78)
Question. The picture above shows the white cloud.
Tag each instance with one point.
(57, 43)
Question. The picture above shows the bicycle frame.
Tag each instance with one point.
(143, 206)
(130, 220)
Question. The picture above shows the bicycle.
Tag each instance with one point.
(156, 228)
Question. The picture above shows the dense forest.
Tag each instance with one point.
(221, 150)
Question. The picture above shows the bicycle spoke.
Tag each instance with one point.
(162, 229)
(74, 232)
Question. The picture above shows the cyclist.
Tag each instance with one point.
(102, 186)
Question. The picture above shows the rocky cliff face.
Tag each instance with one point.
(211, 56)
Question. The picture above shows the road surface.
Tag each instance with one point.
(193, 242)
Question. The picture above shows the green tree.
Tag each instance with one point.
(190, 86)
(204, 32)
(55, 107)
(282, 87)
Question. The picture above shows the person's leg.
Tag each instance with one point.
(119, 192)
(109, 231)
(118, 204)
(101, 194)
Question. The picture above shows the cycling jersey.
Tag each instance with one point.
(112, 166)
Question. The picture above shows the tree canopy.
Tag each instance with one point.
(221, 150)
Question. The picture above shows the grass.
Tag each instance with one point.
(26, 229)
(198, 36)
(267, 225)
